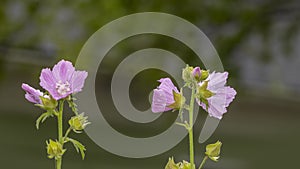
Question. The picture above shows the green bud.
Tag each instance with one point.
(187, 74)
(204, 74)
(185, 165)
(78, 122)
(48, 102)
(171, 164)
(213, 151)
(181, 165)
(55, 149)
(179, 101)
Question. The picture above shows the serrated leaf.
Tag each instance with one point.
(42, 118)
(73, 105)
(78, 146)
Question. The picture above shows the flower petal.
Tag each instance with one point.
(167, 85)
(217, 105)
(47, 81)
(32, 95)
(159, 101)
(63, 71)
(230, 95)
(216, 80)
(77, 80)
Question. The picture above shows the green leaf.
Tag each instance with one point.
(42, 118)
(78, 146)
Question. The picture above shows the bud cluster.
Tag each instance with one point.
(55, 149)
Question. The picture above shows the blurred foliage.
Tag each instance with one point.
(60, 28)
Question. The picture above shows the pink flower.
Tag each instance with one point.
(32, 95)
(163, 96)
(223, 95)
(62, 80)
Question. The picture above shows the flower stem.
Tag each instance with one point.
(191, 138)
(67, 133)
(60, 131)
(203, 162)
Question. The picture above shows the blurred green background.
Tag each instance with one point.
(258, 42)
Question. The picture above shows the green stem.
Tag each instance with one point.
(191, 138)
(67, 133)
(60, 131)
(203, 162)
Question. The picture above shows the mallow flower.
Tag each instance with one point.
(217, 95)
(165, 97)
(32, 95)
(62, 80)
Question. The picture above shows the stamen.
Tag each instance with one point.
(62, 88)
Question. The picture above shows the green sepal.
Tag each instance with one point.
(43, 117)
(204, 75)
(185, 165)
(205, 101)
(181, 165)
(48, 103)
(203, 94)
(179, 100)
(182, 106)
(78, 122)
(78, 146)
(171, 164)
(213, 151)
(55, 149)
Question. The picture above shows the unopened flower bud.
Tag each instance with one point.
(55, 149)
(78, 122)
(181, 165)
(171, 164)
(213, 151)
(197, 74)
(185, 165)
(187, 75)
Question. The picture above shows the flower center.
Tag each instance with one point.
(63, 88)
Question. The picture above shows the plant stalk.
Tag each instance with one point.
(203, 162)
(191, 137)
(60, 131)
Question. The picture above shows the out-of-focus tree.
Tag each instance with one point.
(53, 28)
